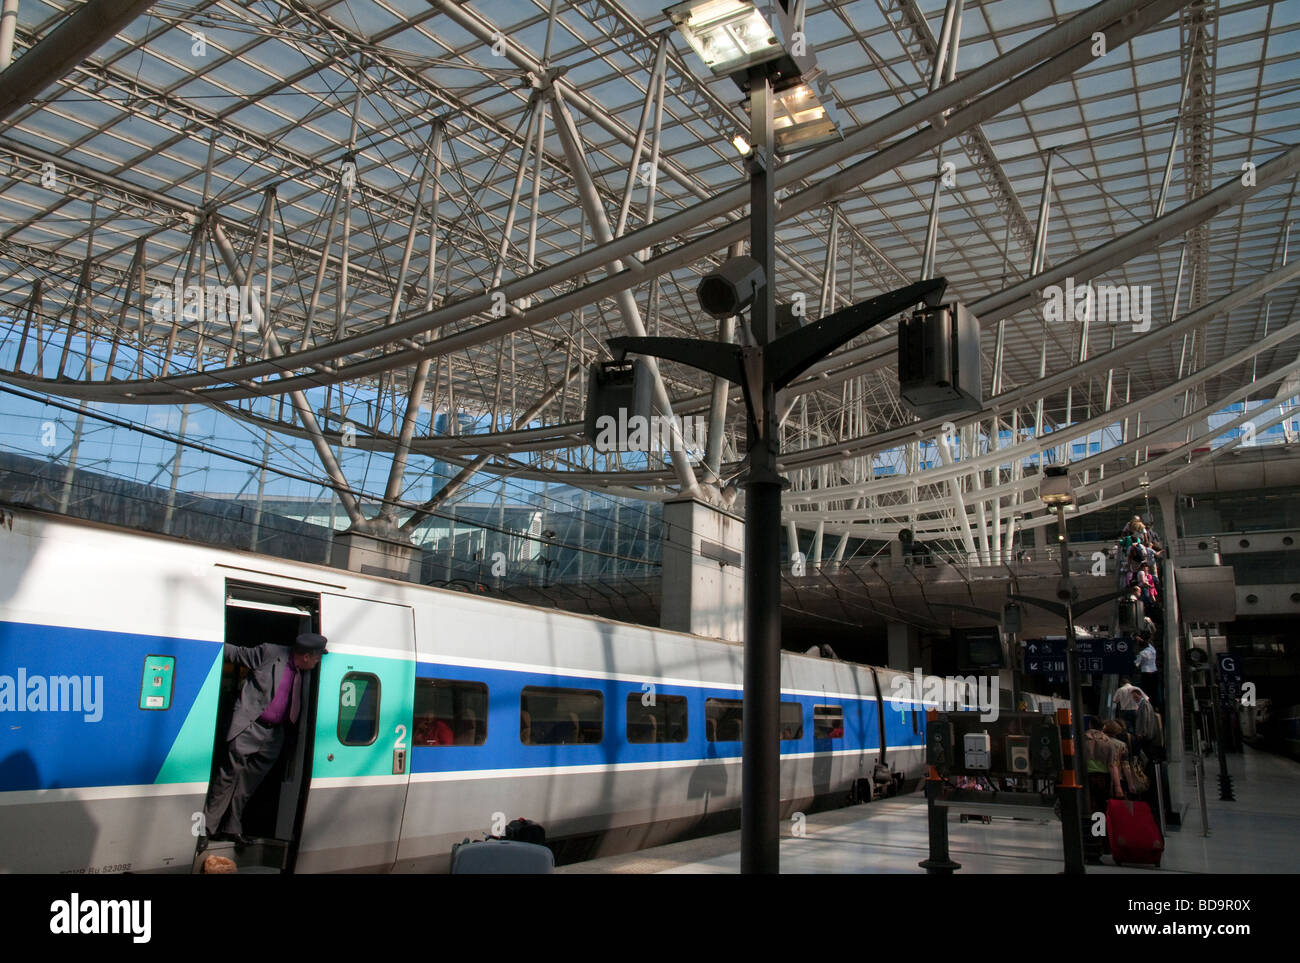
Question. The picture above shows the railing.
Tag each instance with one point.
(1196, 544)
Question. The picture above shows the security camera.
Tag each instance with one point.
(732, 287)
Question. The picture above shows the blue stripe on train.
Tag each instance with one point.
(504, 750)
(126, 745)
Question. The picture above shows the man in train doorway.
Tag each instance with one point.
(269, 702)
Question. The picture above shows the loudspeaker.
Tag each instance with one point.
(939, 361)
(617, 389)
(1130, 614)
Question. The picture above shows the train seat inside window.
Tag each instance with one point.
(557, 717)
(791, 721)
(828, 722)
(450, 712)
(722, 719)
(662, 720)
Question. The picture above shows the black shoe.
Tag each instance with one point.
(203, 844)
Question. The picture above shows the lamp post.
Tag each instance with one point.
(768, 60)
(1056, 491)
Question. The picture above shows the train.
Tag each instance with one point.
(435, 715)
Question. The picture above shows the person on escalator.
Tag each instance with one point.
(1126, 702)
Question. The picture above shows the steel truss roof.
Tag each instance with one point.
(454, 205)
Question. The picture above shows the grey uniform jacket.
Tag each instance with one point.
(269, 664)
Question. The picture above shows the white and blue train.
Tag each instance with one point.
(435, 715)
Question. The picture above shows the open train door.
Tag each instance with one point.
(360, 762)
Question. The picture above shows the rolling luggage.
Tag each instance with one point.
(526, 831)
(1132, 832)
(501, 856)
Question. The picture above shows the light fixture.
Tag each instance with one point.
(741, 145)
(802, 114)
(1012, 622)
(732, 37)
(731, 288)
(1055, 487)
(729, 35)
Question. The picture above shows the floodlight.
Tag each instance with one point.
(733, 37)
(1055, 488)
(732, 287)
(803, 114)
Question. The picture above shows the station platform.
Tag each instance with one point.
(1258, 833)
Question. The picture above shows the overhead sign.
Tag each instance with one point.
(1105, 656)
(1229, 676)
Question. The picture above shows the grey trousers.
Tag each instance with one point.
(250, 756)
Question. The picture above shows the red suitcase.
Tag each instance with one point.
(1133, 834)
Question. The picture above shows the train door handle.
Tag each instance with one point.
(399, 762)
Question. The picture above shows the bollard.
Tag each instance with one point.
(937, 817)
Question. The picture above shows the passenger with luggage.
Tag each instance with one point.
(1102, 755)
(1132, 773)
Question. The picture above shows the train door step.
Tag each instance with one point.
(261, 856)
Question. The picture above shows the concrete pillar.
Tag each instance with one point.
(372, 554)
(904, 647)
(1173, 646)
(703, 570)
(1006, 680)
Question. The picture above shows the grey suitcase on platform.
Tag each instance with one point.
(501, 856)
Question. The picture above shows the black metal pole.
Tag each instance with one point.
(1076, 699)
(760, 792)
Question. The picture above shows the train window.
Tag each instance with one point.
(358, 709)
(552, 717)
(828, 722)
(665, 721)
(449, 712)
(722, 719)
(791, 720)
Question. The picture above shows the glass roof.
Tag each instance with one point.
(331, 131)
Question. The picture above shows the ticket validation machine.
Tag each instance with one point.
(1009, 766)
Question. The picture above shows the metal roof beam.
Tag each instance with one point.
(60, 50)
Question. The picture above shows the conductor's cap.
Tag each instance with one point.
(310, 642)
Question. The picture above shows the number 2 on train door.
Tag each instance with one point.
(399, 750)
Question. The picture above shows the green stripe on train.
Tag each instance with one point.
(345, 713)
(190, 757)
